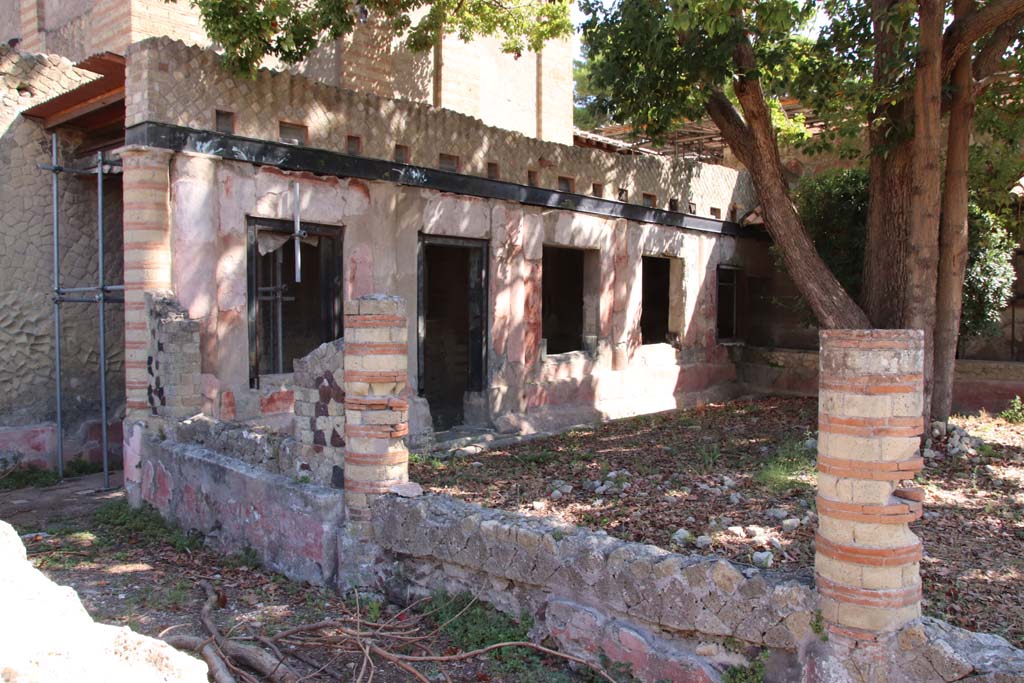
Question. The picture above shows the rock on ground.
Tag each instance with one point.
(46, 636)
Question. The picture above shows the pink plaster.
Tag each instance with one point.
(132, 449)
(360, 271)
(278, 402)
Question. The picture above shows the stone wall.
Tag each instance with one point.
(977, 384)
(670, 616)
(27, 406)
(320, 410)
(158, 69)
(173, 388)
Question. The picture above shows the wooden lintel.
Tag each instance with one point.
(82, 108)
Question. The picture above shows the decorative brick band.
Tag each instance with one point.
(902, 427)
(396, 431)
(887, 598)
(873, 557)
(376, 349)
(375, 376)
(873, 385)
(898, 513)
(371, 487)
(872, 470)
(914, 493)
(398, 458)
(375, 403)
(374, 321)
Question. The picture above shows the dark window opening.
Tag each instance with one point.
(493, 171)
(353, 145)
(531, 179)
(673, 204)
(448, 162)
(453, 325)
(597, 190)
(224, 121)
(566, 184)
(570, 296)
(288, 319)
(650, 200)
(655, 302)
(728, 303)
(716, 212)
(292, 133)
(623, 194)
(691, 207)
(402, 154)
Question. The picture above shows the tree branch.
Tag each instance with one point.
(991, 54)
(731, 125)
(1010, 77)
(962, 33)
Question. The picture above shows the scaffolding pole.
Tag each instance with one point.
(100, 295)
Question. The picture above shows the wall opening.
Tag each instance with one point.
(569, 299)
(655, 304)
(288, 319)
(728, 291)
(452, 326)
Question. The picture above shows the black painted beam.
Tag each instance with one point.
(324, 162)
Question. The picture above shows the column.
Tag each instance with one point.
(376, 417)
(147, 260)
(867, 561)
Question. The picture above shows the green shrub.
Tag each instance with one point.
(1015, 412)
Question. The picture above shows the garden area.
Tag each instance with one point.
(738, 480)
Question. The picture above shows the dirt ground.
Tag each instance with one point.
(739, 479)
(130, 569)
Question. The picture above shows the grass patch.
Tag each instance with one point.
(22, 477)
(145, 525)
(473, 625)
(791, 467)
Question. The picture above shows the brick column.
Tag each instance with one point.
(33, 36)
(376, 417)
(147, 261)
(867, 561)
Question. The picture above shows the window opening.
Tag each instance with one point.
(673, 204)
(289, 316)
(493, 171)
(623, 194)
(292, 133)
(597, 189)
(566, 184)
(402, 154)
(353, 145)
(531, 179)
(570, 296)
(655, 305)
(650, 200)
(716, 212)
(448, 162)
(728, 289)
(224, 121)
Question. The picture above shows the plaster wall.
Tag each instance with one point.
(181, 85)
(27, 406)
(212, 198)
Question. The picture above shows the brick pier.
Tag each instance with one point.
(376, 365)
(867, 561)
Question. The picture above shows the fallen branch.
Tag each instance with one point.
(218, 667)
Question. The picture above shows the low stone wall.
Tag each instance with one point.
(669, 616)
(292, 527)
(977, 385)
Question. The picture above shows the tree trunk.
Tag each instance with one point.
(926, 200)
(953, 230)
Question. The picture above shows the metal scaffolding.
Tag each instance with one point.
(98, 294)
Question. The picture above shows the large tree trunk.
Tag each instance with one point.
(752, 139)
(922, 275)
(953, 229)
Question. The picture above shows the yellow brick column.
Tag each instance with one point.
(867, 561)
(33, 35)
(376, 416)
(147, 260)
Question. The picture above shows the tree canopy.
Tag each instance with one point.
(252, 30)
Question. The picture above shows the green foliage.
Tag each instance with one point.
(146, 525)
(1015, 412)
(834, 208)
(252, 30)
(791, 466)
(755, 673)
(474, 625)
(21, 477)
(988, 281)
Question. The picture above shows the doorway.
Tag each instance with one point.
(452, 327)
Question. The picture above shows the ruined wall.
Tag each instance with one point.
(159, 69)
(172, 363)
(26, 312)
